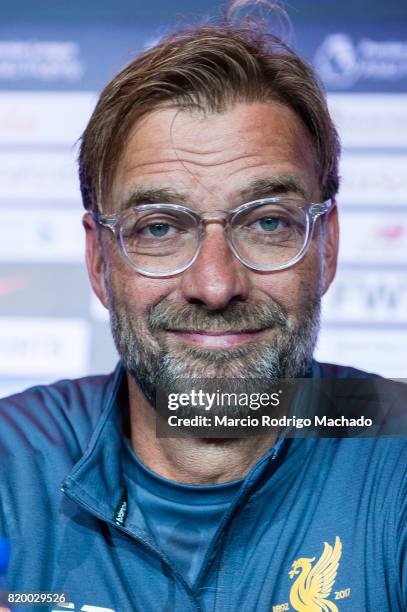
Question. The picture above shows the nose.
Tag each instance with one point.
(217, 277)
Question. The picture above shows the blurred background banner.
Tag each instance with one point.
(54, 59)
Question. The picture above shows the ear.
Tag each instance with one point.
(94, 259)
(330, 237)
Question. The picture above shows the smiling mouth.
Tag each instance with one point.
(217, 339)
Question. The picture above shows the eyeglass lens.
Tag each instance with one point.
(159, 240)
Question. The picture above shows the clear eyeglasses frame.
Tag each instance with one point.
(258, 248)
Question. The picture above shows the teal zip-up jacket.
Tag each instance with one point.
(316, 520)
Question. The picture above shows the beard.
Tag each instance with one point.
(154, 360)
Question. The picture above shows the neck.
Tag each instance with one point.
(190, 460)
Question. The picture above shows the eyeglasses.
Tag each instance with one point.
(165, 239)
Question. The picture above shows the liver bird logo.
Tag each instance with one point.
(313, 586)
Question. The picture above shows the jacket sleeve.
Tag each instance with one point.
(401, 540)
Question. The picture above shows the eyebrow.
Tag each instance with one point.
(258, 188)
(150, 195)
(281, 184)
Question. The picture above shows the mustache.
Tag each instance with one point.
(240, 316)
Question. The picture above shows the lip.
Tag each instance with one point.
(213, 339)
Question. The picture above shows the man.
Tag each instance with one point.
(209, 175)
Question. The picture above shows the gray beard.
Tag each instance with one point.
(142, 348)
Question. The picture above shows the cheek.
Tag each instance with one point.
(294, 287)
(138, 293)
(285, 288)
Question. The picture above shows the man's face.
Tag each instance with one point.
(218, 318)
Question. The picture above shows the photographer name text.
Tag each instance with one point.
(203, 421)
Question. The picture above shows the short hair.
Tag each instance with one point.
(212, 67)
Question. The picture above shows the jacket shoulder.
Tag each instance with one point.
(333, 370)
(64, 413)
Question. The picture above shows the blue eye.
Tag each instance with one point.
(159, 229)
(269, 223)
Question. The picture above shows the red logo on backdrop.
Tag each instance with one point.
(10, 285)
(392, 232)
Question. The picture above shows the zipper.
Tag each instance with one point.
(152, 549)
(245, 488)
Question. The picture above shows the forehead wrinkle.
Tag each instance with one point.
(132, 166)
(203, 164)
(188, 162)
(198, 149)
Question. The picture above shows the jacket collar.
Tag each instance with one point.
(97, 480)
